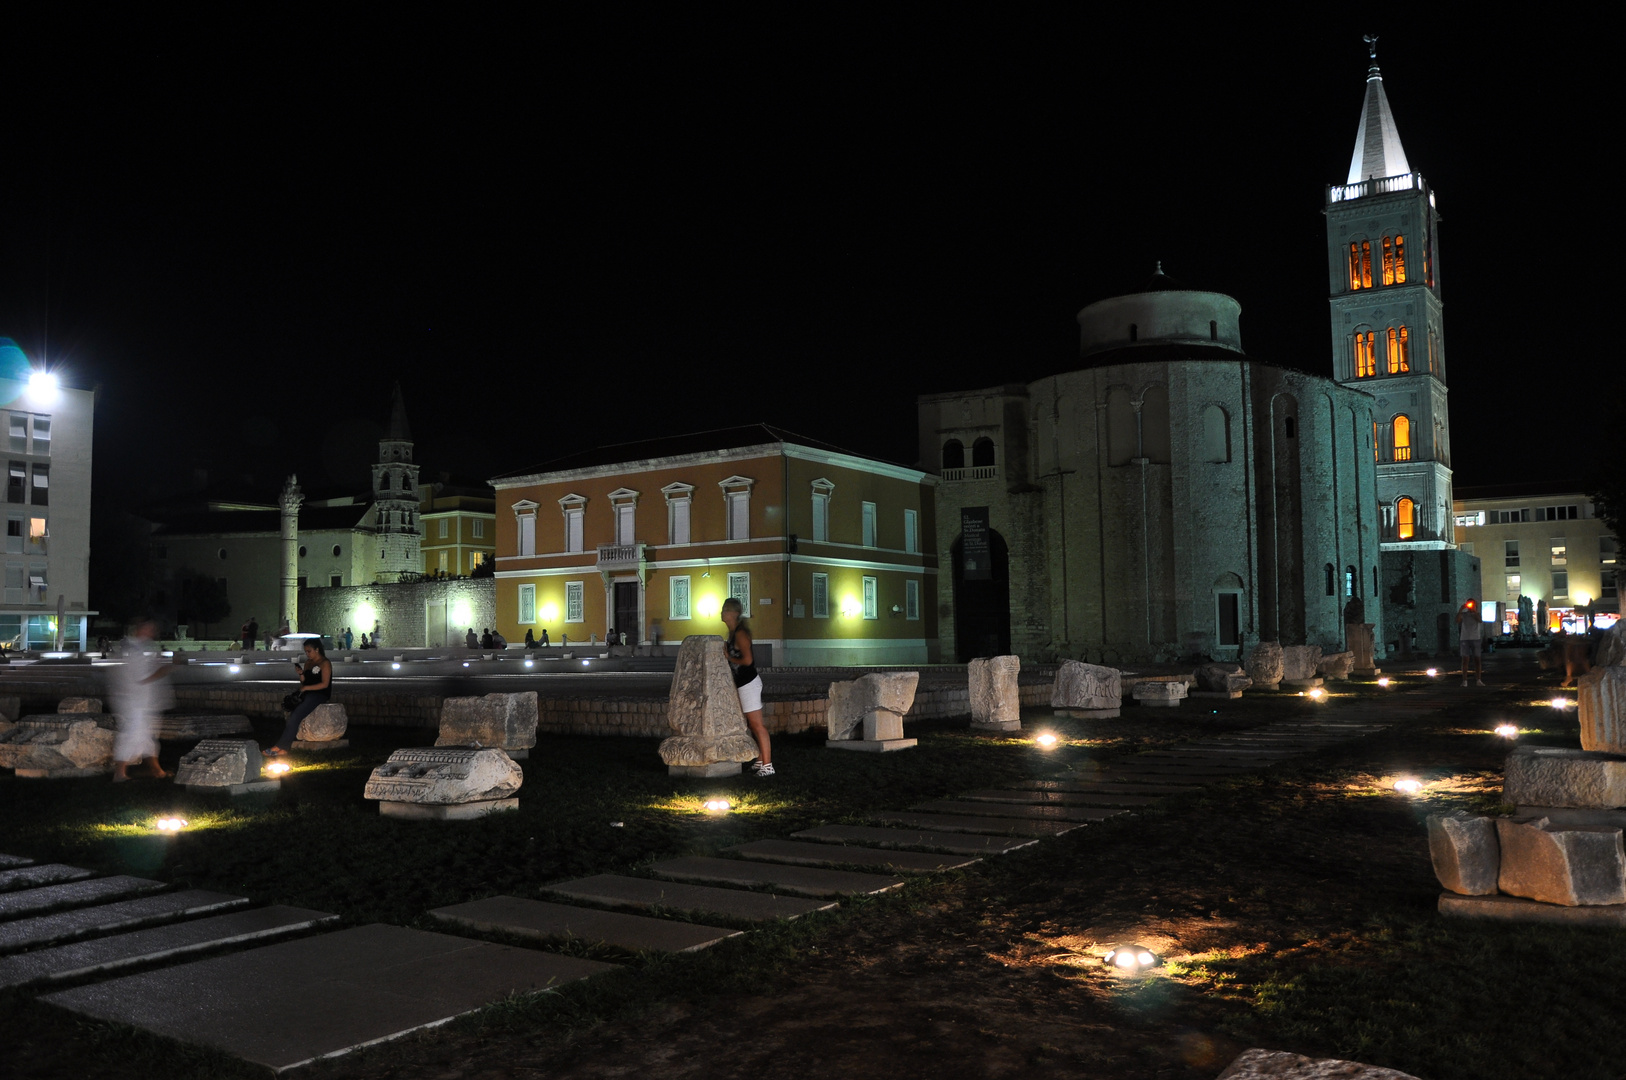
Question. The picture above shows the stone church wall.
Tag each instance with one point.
(1422, 592)
(401, 609)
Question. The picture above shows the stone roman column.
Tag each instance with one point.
(290, 501)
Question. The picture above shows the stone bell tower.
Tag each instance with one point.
(396, 499)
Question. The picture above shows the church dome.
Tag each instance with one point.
(1162, 312)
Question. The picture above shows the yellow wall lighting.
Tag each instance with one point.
(550, 612)
(707, 607)
(851, 607)
(365, 616)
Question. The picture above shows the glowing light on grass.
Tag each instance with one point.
(1560, 703)
(1408, 787)
(277, 768)
(718, 806)
(170, 824)
(1384, 682)
(1317, 694)
(1433, 671)
(1507, 731)
(1047, 740)
(1130, 958)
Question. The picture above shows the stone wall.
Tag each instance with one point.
(1425, 589)
(401, 609)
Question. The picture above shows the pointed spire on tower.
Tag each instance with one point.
(1377, 144)
(398, 430)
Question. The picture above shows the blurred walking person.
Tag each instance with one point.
(139, 692)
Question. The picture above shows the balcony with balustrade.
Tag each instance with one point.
(620, 556)
(1380, 185)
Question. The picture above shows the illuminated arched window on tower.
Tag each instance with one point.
(1366, 360)
(1354, 265)
(1388, 261)
(1402, 438)
(1400, 260)
(1366, 264)
(1399, 343)
(1405, 518)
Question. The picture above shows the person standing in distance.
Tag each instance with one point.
(747, 681)
(1471, 641)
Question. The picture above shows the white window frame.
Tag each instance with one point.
(525, 532)
(911, 598)
(527, 595)
(870, 530)
(823, 489)
(40, 444)
(574, 509)
(872, 598)
(479, 529)
(445, 527)
(624, 512)
(680, 599)
(679, 513)
(821, 596)
(737, 493)
(736, 579)
(911, 532)
(443, 554)
(575, 602)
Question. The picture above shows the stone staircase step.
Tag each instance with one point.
(1103, 786)
(9, 861)
(614, 890)
(992, 826)
(290, 1003)
(562, 922)
(154, 943)
(798, 880)
(1017, 810)
(45, 929)
(899, 862)
(28, 901)
(1061, 798)
(29, 877)
(954, 842)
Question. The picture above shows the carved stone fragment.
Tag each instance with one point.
(703, 710)
(1264, 665)
(220, 763)
(445, 775)
(507, 721)
(1466, 854)
(996, 703)
(1086, 686)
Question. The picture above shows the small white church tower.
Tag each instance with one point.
(396, 499)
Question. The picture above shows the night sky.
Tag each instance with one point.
(558, 235)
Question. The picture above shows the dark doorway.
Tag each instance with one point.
(982, 608)
(1230, 619)
(626, 611)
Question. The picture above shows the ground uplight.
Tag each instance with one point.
(397, 667)
(1130, 958)
(1433, 671)
(718, 806)
(1047, 740)
(529, 663)
(277, 768)
(1507, 731)
(1317, 694)
(1560, 703)
(170, 824)
(1384, 682)
(234, 669)
(1408, 787)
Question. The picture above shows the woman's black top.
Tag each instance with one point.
(310, 678)
(743, 673)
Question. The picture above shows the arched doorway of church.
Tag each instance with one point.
(982, 601)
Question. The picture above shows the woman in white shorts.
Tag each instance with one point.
(747, 681)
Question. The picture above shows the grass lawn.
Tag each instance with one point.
(1295, 908)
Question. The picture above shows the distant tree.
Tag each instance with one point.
(202, 601)
(486, 567)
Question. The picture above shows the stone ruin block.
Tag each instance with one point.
(1160, 692)
(1281, 1065)
(1601, 695)
(1264, 665)
(79, 705)
(325, 724)
(1466, 854)
(506, 721)
(11, 710)
(1362, 642)
(1612, 648)
(1572, 865)
(1087, 687)
(59, 746)
(1222, 678)
(871, 708)
(1300, 662)
(221, 763)
(1557, 776)
(445, 776)
(996, 703)
(703, 710)
(1338, 665)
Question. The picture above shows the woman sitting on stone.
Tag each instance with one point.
(316, 688)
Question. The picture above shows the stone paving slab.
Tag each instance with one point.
(1518, 909)
(1103, 786)
(1017, 810)
(980, 823)
(613, 890)
(287, 1004)
(560, 922)
(953, 842)
(900, 862)
(798, 880)
(29, 877)
(44, 929)
(9, 861)
(1062, 798)
(28, 901)
(155, 943)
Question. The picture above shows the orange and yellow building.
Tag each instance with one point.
(831, 552)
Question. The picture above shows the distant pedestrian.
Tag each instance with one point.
(364, 644)
(544, 643)
(315, 688)
(349, 638)
(378, 636)
(139, 693)
(1471, 641)
(251, 633)
(498, 641)
(530, 639)
(747, 681)
(485, 639)
(470, 641)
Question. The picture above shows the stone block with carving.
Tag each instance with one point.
(1573, 865)
(703, 711)
(220, 763)
(1363, 644)
(1299, 662)
(1612, 647)
(1338, 665)
(59, 746)
(506, 721)
(324, 724)
(444, 775)
(79, 705)
(996, 704)
(1466, 854)
(1086, 686)
(1222, 678)
(1159, 692)
(1601, 695)
(871, 707)
(1281, 1065)
(1560, 776)
(11, 708)
(1264, 665)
